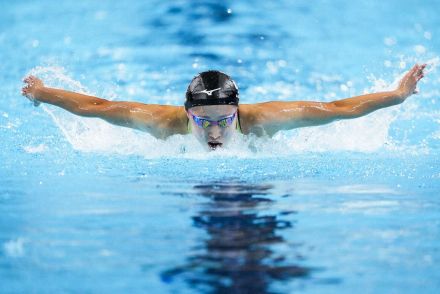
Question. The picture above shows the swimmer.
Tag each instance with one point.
(212, 113)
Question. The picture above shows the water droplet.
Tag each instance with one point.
(282, 63)
(67, 40)
(100, 15)
(427, 35)
(420, 49)
(390, 41)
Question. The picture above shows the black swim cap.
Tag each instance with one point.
(211, 88)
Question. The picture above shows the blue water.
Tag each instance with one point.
(86, 207)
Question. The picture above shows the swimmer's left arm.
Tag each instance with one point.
(161, 121)
(271, 117)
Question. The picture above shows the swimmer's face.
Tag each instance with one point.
(213, 135)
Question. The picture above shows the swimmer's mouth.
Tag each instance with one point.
(214, 145)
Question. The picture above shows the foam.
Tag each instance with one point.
(35, 149)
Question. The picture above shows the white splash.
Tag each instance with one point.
(56, 76)
(35, 149)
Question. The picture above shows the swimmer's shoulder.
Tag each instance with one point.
(264, 118)
(248, 116)
(161, 120)
(174, 120)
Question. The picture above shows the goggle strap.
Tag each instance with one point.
(204, 102)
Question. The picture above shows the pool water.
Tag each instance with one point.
(88, 207)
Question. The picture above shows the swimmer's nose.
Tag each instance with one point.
(214, 133)
(214, 138)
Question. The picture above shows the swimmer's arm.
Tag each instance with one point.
(160, 121)
(271, 117)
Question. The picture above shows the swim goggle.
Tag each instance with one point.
(206, 123)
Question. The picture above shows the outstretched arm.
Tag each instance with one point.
(159, 120)
(271, 117)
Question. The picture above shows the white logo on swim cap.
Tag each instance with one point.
(207, 92)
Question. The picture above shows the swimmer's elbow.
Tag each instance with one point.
(108, 112)
(338, 112)
(94, 109)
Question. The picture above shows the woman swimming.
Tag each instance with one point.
(212, 112)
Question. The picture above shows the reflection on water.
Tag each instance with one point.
(238, 255)
(187, 21)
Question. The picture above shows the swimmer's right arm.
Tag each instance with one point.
(160, 121)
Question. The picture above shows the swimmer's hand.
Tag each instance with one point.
(31, 87)
(407, 85)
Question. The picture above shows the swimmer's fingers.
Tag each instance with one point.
(28, 78)
(32, 80)
(32, 84)
(25, 90)
(408, 83)
(413, 71)
(418, 71)
(419, 74)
